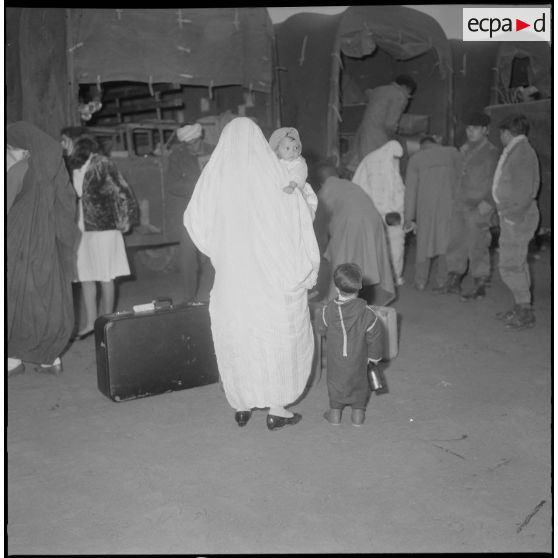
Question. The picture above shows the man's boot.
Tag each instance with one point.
(451, 286)
(524, 318)
(478, 291)
(507, 315)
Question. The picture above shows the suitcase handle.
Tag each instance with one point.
(162, 302)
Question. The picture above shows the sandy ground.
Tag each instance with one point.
(455, 457)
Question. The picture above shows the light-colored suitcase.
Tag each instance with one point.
(388, 316)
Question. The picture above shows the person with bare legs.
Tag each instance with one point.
(107, 207)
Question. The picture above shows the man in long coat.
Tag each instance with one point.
(431, 180)
(350, 229)
(41, 243)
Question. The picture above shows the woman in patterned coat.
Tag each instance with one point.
(107, 207)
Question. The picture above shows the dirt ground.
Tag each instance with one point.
(455, 457)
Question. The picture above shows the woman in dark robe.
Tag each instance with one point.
(349, 228)
(41, 243)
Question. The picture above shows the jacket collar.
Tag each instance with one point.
(514, 142)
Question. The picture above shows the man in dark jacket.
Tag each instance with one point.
(185, 163)
(473, 211)
(515, 187)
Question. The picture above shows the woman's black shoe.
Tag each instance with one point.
(242, 417)
(274, 422)
(82, 336)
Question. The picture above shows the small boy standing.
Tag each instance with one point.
(354, 338)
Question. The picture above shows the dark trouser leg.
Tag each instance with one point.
(422, 270)
(441, 270)
(479, 239)
(512, 263)
(457, 250)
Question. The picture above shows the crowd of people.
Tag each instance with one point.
(452, 199)
(255, 237)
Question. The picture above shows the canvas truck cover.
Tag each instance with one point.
(540, 64)
(201, 46)
(35, 75)
(402, 32)
(483, 73)
(309, 57)
(306, 44)
(48, 50)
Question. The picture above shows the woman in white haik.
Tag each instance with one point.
(101, 253)
(262, 245)
(378, 175)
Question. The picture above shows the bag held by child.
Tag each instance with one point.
(374, 378)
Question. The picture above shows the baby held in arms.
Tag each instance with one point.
(287, 146)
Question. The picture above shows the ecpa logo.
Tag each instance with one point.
(506, 24)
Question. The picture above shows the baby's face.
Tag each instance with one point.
(288, 149)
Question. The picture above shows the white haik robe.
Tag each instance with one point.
(378, 175)
(262, 245)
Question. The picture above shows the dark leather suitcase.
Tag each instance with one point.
(165, 348)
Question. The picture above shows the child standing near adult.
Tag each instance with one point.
(354, 338)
